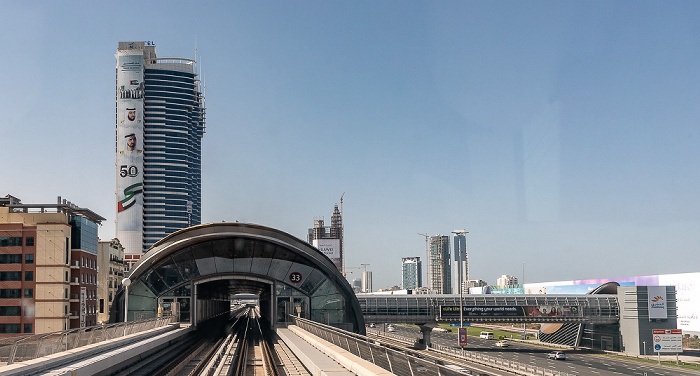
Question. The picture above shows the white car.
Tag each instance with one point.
(556, 355)
(502, 344)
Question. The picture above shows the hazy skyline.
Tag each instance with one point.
(561, 135)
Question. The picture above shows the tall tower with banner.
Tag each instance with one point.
(159, 128)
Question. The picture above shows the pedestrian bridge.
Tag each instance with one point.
(531, 308)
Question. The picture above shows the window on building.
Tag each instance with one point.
(29, 276)
(29, 241)
(10, 259)
(10, 276)
(9, 328)
(10, 310)
(66, 293)
(28, 293)
(10, 241)
(29, 311)
(28, 328)
(102, 306)
(67, 277)
(29, 258)
(10, 293)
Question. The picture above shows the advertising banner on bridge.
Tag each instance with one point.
(510, 311)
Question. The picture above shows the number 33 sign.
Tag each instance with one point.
(295, 277)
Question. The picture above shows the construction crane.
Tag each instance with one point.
(364, 267)
(427, 261)
(342, 237)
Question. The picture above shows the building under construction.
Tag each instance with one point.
(329, 239)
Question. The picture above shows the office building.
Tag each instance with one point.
(411, 273)
(110, 263)
(440, 272)
(329, 239)
(159, 129)
(48, 267)
(461, 262)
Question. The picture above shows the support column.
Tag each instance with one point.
(425, 330)
(193, 304)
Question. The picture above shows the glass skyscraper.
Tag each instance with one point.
(411, 273)
(159, 128)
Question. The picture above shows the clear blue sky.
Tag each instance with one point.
(562, 135)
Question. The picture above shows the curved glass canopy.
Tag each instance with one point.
(219, 260)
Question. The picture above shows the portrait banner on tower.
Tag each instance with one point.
(129, 159)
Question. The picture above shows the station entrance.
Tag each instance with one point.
(195, 272)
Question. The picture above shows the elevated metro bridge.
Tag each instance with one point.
(532, 308)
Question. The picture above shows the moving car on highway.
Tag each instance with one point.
(556, 355)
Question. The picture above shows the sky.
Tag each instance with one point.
(563, 136)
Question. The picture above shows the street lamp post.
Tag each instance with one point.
(126, 282)
(459, 270)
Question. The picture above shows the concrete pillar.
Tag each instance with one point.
(425, 330)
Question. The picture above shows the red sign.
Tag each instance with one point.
(295, 277)
(462, 337)
(667, 331)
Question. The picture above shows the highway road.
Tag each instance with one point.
(577, 362)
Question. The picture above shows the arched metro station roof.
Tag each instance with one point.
(237, 258)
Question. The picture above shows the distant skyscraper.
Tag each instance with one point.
(411, 273)
(366, 281)
(506, 281)
(159, 128)
(329, 240)
(440, 273)
(460, 268)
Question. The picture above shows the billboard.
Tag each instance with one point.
(129, 156)
(657, 302)
(510, 311)
(330, 248)
(667, 340)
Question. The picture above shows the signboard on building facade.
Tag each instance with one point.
(658, 309)
(129, 158)
(668, 340)
(330, 248)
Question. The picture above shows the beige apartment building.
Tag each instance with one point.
(48, 267)
(110, 264)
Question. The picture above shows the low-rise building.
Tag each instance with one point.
(48, 268)
(110, 265)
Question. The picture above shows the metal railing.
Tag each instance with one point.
(395, 361)
(18, 349)
(406, 362)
